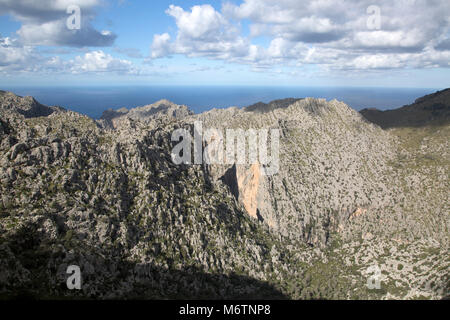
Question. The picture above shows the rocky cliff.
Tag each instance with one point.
(106, 196)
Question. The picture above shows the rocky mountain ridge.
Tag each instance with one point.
(160, 108)
(432, 109)
(105, 195)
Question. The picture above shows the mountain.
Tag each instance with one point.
(26, 106)
(432, 109)
(106, 195)
(163, 107)
(266, 107)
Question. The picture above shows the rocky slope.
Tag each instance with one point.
(331, 164)
(110, 118)
(433, 109)
(106, 196)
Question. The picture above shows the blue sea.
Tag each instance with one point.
(92, 101)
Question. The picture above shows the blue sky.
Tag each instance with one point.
(240, 42)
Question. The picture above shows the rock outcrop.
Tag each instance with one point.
(26, 106)
(162, 108)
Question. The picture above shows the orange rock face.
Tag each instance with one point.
(248, 183)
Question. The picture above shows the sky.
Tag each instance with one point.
(403, 43)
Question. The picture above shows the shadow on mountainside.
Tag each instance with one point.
(26, 106)
(261, 107)
(34, 267)
(430, 110)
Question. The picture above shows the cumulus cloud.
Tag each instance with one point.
(13, 54)
(16, 58)
(202, 23)
(161, 45)
(44, 22)
(202, 31)
(98, 62)
(318, 21)
(332, 34)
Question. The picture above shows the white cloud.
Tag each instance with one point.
(98, 62)
(203, 22)
(378, 61)
(44, 22)
(15, 58)
(413, 38)
(331, 34)
(161, 45)
(202, 31)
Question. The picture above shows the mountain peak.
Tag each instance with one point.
(26, 106)
(161, 108)
(262, 107)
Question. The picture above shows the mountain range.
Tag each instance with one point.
(358, 196)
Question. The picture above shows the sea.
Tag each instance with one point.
(92, 101)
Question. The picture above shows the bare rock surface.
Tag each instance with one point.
(106, 196)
